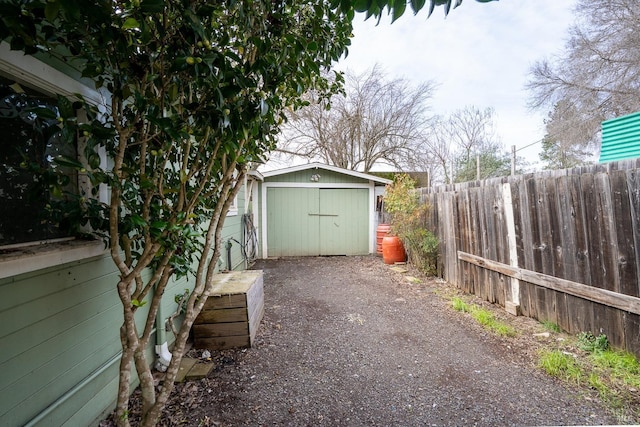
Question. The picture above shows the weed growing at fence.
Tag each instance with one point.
(551, 326)
(489, 321)
(613, 374)
(459, 305)
(484, 317)
(561, 365)
(588, 342)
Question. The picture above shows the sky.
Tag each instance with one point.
(479, 55)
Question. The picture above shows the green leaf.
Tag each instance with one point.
(43, 113)
(94, 161)
(68, 162)
(137, 220)
(417, 5)
(130, 23)
(65, 107)
(136, 303)
(51, 10)
(152, 6)
(399, 6)
(361, 5)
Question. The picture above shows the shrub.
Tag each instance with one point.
(408, 217)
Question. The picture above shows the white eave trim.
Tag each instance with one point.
(336, 169)
(46, 78)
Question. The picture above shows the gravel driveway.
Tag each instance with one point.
(347, 341)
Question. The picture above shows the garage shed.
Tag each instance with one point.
(317, 209)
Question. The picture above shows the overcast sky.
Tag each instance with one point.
(479, 55)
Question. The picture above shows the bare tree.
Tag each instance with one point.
(451, 147)
(376, 120)
(472, 130)
(598, 76)
(434, 154)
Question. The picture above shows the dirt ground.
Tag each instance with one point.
(347, 341)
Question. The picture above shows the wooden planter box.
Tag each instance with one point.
(232, 314)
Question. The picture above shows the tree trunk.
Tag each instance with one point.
(147, 388)
(124, 381)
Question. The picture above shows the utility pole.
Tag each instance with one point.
(513, 160)
(478, 166)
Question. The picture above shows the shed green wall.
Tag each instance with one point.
(621, 138)
(59, 335)
(304, 221)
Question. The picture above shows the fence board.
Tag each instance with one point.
(525, 258)
(570, 252)
(632, 321)
(580, 224)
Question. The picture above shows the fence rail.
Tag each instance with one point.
(580, 226)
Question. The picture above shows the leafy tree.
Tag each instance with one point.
(195, 93)
(565, 147)
(492, 164)
(376, 120)
(596, 77)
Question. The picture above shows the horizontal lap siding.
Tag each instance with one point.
(59, 334)
(59, 337)
(56, 328)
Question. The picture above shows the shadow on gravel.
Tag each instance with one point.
(347, 341)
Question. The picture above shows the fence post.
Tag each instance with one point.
(512, 300)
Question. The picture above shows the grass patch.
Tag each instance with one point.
(618, 366)
(459, 305)
(613, 374)
(551, 326)
(484, 317)
(561, 365)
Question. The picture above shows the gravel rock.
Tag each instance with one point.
(346, 341)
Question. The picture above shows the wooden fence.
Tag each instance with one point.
(562, 246)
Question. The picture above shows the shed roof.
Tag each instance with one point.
(376, 179)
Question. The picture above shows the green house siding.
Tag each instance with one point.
(63, 327)
(59, 335)
(621, 138)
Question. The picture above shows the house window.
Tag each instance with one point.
(233, 209)
(31, 139)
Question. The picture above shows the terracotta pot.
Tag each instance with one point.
(393, 250)
(381, 233)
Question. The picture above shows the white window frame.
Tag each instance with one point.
(233, 209)
(25, 258)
